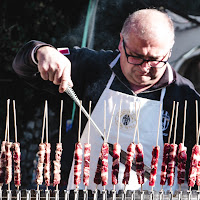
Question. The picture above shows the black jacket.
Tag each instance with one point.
(90, 74)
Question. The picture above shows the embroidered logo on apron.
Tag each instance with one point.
(165, 120)
(127, 120)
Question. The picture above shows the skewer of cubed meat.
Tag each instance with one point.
(77, 163)
(78, 154)
(116, 153)
(154, 165)
(130, 154)
(41, 157)
(16, 153)
(128, 163)
(8, 163)
(57, 164)
(87, 150)
(2, 163)
(86, 170)
(139, 157)
(166, 150)
(47, 159)
(182, 158)
(104, 154)
(163, 175)
(182, 155)
(172, 154)
(104, 166)
(47, 164)
(155, 155)
(171, 164)
(193, 165)
(198, 175)
(198, 166)
(41, 154)
(97, 177)
(115, 165)
(58, 154)
(17, 159)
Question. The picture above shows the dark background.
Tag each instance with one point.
(60, 23)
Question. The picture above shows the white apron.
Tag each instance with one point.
(148, 127)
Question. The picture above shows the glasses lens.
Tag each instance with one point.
(134, 60)
(156, 64)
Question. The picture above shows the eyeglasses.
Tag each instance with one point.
(135, 60)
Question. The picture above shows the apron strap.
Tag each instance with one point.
(112, 64)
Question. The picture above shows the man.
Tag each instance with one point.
(137, 74)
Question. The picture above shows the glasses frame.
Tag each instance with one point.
(145, 60)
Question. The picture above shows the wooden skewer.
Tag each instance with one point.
(15, 125)
(79, 129)
(7, 120)
(159, 124)
(138, 129)
(46, 122)
(7, 125)
(175, 125)
(60, 127)
(110, 123)
(197, 120)
(184, 122)
(104, 121)
(15, 121)
(137, 117)
(43, 124)
(90, 105)
(172, 119)
(42, 138)
(119, 120)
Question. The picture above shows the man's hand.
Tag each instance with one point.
(55, 67)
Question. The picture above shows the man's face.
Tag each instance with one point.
(143, 75)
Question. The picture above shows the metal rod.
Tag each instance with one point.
(133, 195)
(28, 195)
(198, 195)
(66, 194)
(104, 193)
(37, 194)
(180, 195)
(189, 195)
(56, 194)
(142, 195)
(1, 194)
(151, 195)
(18, 193)
(113, 194)
(170, 195)
(161, 195)
(73, 95)
(85, 194)
(76, 194)
(124, 195)
(9, 195)
(47, 194)
(95, 192)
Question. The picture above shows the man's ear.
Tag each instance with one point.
(120, 47)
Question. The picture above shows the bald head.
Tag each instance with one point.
(149, 25)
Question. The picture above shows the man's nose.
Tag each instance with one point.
(145, 66)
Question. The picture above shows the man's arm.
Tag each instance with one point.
(38, 57)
